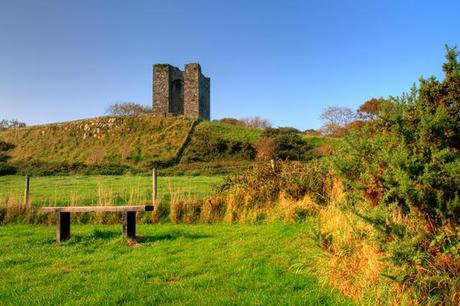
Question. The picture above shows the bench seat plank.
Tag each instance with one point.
(97, 208)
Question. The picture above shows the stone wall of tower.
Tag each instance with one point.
(177, 92)
(168, 90)
(161, 89)
(205, 101)
(192, 90)
(196, 93)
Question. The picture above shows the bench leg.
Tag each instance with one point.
(62, 226)
(129, 224)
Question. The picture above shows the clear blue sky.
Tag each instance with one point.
(283, 60)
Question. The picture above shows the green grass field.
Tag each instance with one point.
(170, 265)
(93, 190)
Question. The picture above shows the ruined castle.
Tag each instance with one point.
(177, 92)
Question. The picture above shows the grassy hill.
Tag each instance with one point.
(130, 142)
(116, 145)
(112, 145)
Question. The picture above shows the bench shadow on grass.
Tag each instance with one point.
(172, 235)
(92, 236)
(140, 238)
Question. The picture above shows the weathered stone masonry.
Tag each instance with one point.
(177, 92)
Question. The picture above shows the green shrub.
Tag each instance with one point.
(206, 148)
(6, 169)
(407, 161)
(410, 154)
(289, 144)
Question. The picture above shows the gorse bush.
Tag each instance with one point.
(401, 174)
(410, 154)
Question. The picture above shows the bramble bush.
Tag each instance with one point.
(264, 193)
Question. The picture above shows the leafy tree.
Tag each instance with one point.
(369, 110)
(335, 119)
(257, 122)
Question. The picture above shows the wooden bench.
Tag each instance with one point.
(63, 217)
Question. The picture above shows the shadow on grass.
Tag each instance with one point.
(112, 234)
(170, 236)
(94, 235)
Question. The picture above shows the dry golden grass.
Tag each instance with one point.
(233, 211)
(183, 207)
(354, 263)
(14, 208)
(159, 209)
(294, 211)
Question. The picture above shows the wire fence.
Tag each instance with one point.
(109, 190)
(123, 190)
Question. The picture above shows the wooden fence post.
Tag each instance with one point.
(154, 187)
(26, 193)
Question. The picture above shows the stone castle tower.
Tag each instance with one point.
(177, 92)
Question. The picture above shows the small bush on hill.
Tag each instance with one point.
(257, 122)
(252, 122)
(285, 144)
(211, 149)
(9, 124)
(5, 168)
(128, 109)
(312, 132)
(232, 121)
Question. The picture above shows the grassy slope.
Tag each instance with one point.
(172, 264)
(208, 133)
(135, 141)
(85, 190)
(127, 141)
(228, 132)
(317, 141)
